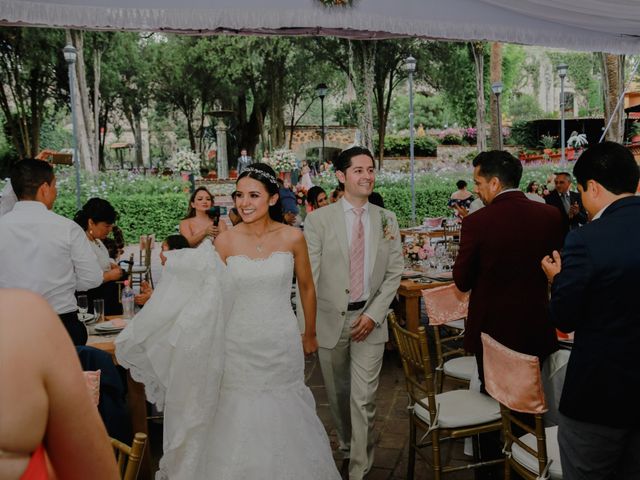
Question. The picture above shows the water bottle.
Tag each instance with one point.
(127, 301)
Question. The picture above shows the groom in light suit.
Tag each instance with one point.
(356, 257)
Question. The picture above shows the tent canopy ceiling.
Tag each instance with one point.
(592, 25)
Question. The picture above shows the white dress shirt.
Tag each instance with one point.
(47, 254)
(102, 255)
(350, 217)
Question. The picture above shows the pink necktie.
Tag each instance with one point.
(356, 265)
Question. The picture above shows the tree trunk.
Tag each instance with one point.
(97, 60)
(612, 85)
(364, 53)
(137, 118)
(84, 118)
(495, 76)
(477, 48)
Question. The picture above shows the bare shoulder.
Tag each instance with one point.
(22, 307)
(224, 241)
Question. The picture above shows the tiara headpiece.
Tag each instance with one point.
(261, 173)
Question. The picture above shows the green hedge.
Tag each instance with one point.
(395, 146)
(431, 202)
(139, 214)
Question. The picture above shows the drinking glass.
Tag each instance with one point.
(83, 304)
(98, 309)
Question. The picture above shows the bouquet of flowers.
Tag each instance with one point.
(283, 160)
(418, 249)
(185, 161)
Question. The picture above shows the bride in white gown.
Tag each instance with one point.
(218, 347)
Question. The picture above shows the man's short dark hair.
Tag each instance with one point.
(611, 165)
(344, 159)
(566, 174)
(28, 175)
(460, 184)
(500, 164)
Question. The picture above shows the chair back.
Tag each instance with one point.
(445, 304)
(512, 378)
(451, 232)
(130, 270)
(416, 364)
(129, 457)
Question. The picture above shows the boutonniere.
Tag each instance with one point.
(387, 228)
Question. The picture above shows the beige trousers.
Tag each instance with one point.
(351, 372)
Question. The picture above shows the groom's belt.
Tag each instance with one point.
(356, 305)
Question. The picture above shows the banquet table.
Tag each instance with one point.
(136, 398)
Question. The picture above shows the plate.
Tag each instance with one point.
(411, 274)
(86, 317)
(114, 325)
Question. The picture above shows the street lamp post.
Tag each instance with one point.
(562, 73)
(410, 67)
(496, 87)
(321, 92)
(70, 57)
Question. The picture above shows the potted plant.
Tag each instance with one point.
(634, 132)
(548, 142)
(576, 143)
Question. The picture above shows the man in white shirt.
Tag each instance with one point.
(45, 252)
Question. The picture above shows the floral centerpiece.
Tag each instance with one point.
(283, 160)
(185, 161)
(417, 250)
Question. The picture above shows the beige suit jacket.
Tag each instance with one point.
(326, 233)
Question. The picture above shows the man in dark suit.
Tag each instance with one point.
(595, 293)
(499, 261)
(567, 202)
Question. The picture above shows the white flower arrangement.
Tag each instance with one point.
(185, 161)
(283, 160)
(577, 141)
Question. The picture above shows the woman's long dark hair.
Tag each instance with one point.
(192, 211)
(96, 209)
(312, 195)
(264, 174)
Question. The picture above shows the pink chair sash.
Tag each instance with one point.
(445, 304)
(512, 378)
(93, 385)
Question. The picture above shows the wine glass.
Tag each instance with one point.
(83, 304)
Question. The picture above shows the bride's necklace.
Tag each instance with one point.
(261, 239)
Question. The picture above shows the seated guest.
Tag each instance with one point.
(96, 218)
(115, 243)
(337, 194)
(567, 202)
(198, 223)
(234, 216)
(47, 412)
(531, 192)
(317, 197)
(461, 198)
(173, 242)
(45, 252)
(289, 205)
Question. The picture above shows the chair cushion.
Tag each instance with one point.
(461, 367)
(459, 324)
(459, 408)
(530, 462)
(139, 269)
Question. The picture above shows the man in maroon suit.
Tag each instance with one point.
(499, 261)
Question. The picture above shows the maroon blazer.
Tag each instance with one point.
(501, 247)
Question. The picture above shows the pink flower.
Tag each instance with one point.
(422, 254)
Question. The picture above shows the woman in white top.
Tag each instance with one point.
(199, 223)
(96, 218)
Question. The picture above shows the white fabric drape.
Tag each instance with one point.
(611, 26)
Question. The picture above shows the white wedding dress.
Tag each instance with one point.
(228, 371)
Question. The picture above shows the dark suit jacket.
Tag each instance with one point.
(499, 261)
(568, 224)
(596, 294)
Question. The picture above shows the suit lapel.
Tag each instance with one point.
(375, 227)
(340, 227)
